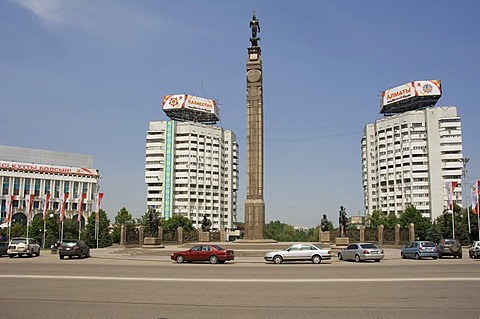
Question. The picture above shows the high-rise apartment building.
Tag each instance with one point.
(192, 171)
(407, 158)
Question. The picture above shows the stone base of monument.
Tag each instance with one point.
(204, 236)
(152, 242)
(324, 236)
(342, 241)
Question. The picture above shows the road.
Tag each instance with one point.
(102, 287)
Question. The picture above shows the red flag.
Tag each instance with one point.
(62, 209)
(475, 196)
(9, 204)
(29, 204)
(97, 208)
(46, 203)
(82, 197)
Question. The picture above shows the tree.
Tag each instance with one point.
(104, 237)
(412, 216)
(176, 221)
(377, 218)
(123, 218)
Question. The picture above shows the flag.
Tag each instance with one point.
(28, 204)
(475, 196)
(81, 198)
(62, 205)
(99, 197)
(9, 204)
(45, 205)
(450, 186)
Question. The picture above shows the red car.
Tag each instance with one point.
(212, 253)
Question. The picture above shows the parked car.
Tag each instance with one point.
(3, 248)
(72, 248)
(449, 247)
(299, 252)
(420, 249)
(361, 252)
(474, 251)
(211, 253)
(19, 246)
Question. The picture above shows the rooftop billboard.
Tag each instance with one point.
(412, 95)
(186, 101)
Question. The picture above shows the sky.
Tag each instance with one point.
(88, 76)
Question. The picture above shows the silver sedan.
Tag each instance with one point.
(299, 252)
(360, 252)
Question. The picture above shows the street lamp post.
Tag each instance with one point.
(464, 161)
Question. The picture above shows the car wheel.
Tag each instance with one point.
(357, 258)
(213, 259)
(470, 254)
(316, 259)
(377, 260)
(434, 258)
(460, 256)
(180, 259)
(221, 261)
(61, 256)
(402, 255)
(38, 253)
(417, 256)
(80, 255)
(277, 259)
(340, 256)
(11, 256)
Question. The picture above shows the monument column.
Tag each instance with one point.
(254, 204)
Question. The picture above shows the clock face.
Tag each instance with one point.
(254, 75)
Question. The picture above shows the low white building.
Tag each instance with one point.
(192, 170)
(408, 157)
(25, 171)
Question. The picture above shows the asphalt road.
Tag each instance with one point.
(137, 287)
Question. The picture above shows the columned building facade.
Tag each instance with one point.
(408, 157)
(192, 170)
(25, 172)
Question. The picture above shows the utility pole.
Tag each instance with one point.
(464, 161)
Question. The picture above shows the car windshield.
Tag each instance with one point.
(428, 244)
(19, 241)
(450, 241)
(368, 246)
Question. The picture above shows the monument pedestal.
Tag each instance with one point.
(204, 236)
(152, 242)
(324, 236)
(342, 241)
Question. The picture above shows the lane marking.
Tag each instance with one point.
(246, 280)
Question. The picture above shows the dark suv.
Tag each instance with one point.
(449, 247)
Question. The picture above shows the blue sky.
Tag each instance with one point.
(87, 77)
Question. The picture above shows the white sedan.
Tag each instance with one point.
(299, 252)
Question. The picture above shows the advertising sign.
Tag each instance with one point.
(398, 93)
(44, 168)
(421, 93)
(190, 102)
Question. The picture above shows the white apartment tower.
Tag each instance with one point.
(408, 157)
(192, 170)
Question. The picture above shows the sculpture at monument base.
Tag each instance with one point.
(342, 221)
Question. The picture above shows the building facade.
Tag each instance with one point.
(192, 170)
(408, 157)
(25, 172)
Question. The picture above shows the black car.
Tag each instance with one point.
(73, 247)
(449, 247)
(3, 248)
